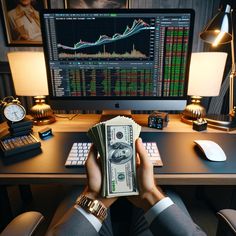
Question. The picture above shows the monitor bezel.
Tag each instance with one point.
(120, 103)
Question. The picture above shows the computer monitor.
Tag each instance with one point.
(136, 59)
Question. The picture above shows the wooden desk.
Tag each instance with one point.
(82, 123)
(27, 170)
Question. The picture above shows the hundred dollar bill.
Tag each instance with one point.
(120, 164)
(126, 178)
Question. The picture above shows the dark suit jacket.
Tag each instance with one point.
(172, 221)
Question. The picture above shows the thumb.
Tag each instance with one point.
(143, 156)
(91, 161)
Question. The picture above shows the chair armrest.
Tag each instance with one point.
(227, 222)
(24, 224)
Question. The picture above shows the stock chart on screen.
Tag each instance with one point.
(117, 54)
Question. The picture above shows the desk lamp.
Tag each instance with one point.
(219, 31)
(205, 77)
(30, 79)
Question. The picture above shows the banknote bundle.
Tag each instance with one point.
(115, 142)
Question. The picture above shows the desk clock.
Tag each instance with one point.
(12, 109)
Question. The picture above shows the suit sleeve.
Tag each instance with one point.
(173, 221)
(73, 223)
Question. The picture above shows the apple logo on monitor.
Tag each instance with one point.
(117, 105)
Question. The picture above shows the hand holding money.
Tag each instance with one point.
(94, 175)
(115, 141)
(149, 193)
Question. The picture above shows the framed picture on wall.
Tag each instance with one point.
(21, 21)
(76, 4)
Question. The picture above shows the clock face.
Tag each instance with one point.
(14, 112)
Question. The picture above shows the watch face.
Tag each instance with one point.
(14, 112)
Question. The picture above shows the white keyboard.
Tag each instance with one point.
(79, 152)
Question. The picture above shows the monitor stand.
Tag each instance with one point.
(109, 114)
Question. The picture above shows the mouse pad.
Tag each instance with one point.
(178, 152)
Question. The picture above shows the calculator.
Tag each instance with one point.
(19, 144)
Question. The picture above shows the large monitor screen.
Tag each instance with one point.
(135, 59)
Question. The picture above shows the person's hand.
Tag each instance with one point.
(94, 178)
(149, 193)
(94, 175)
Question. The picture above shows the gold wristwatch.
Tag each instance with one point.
(93, 206)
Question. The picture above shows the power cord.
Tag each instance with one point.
(66, 117)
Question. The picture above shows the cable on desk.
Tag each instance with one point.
(66, 117)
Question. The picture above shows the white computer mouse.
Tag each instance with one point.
(211, 150)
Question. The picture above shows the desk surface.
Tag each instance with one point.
(184, 164)
(82, 123)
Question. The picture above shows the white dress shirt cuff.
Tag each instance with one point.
(156, 209)
(90, 217)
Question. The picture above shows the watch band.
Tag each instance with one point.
(93, 206)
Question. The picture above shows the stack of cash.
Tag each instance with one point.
(115, 142)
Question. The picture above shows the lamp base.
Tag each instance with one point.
(41, 112)
(194, 110)
(44, 121)
(187, 120)
(221, 121)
